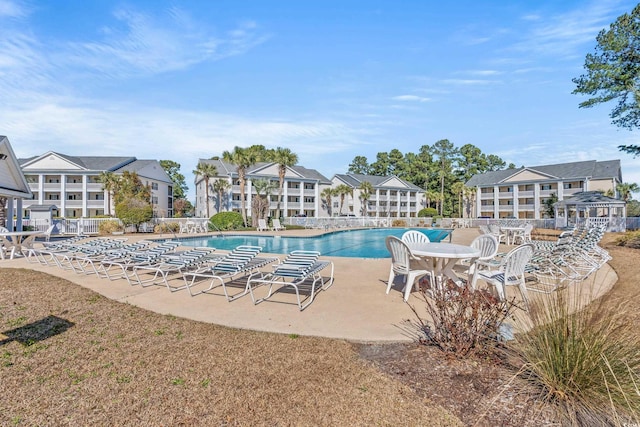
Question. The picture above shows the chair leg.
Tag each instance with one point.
(392, 276)
(412, 279)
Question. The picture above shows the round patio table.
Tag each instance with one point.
(443, 257)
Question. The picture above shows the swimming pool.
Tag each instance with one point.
(362, 243)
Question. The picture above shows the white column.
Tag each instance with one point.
(496, 201)
(536, 201)
(19, 214)
(398, 204)
(63, 195)
(40, 189)
(377, 203)
(85, 196)
(317, 199)
(285, 197)
(478, 205)
(561, 191)
(516, 202)
(301, 207)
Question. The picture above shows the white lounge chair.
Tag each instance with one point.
(277, 226)
(262, 225)
(299, 270)
(243, 261)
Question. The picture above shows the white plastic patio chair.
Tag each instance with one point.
(510, 272)
(404, 264)
(488, 245)
(414, 236)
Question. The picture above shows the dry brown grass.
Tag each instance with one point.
(73, 357)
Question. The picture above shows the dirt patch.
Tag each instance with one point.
(69, 356)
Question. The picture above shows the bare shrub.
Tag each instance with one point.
(464, 321)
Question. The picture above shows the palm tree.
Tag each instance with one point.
(109, 182)
(242, 158)
(457, 188)
(285, 158)
(220, 185)
(206, 171)
(343, 190)
(625, 189)
(326, 195)
(260, 203)
(366, 190)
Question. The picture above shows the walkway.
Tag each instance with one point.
(355, 308)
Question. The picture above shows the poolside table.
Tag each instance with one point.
(443, 257)
(511, 231)
(17, 238)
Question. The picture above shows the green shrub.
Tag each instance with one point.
(109, 226)
(227, 220)
(584, 360)
(134, 212)
(425, 212)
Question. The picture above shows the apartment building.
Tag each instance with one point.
(521, 193)
(71, 186)
(391, 197)
(301, 193)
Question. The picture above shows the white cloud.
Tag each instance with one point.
(12, 9)
(411, 98)
(151, 44)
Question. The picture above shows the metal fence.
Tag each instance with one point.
(90, 226)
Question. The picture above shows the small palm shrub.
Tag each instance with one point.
(630, 239)
(166, 227)
(398, 223)
(584, 360)
(227, 220)
(464, 321)
(110, 226)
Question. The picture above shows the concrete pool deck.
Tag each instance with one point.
(355, 308)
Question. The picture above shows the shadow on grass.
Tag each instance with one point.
(36, 331)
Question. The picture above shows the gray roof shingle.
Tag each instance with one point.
(591, 169)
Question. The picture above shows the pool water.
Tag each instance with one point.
(363, 243)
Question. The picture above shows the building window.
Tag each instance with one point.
(154, 200)
(154, 185)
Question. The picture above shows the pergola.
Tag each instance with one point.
(13, 185)
(592, 208)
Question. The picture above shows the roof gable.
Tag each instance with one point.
(528, 175)
(52, 161)
(12, 180)
(273, 170)
(394, 181)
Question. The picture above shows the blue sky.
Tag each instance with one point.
(331, 80)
